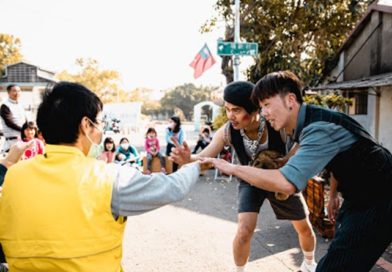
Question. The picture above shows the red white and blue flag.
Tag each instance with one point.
(202, 61)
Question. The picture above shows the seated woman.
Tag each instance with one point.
(127, 154)
(204, 139)
(109, 150)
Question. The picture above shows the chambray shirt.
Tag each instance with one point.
(319, 143)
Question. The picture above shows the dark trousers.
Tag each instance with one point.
(200, 144)
(150, 157)
(361, 237)
(168, 150)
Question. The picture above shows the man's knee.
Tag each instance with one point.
(304, 228)
(244, 233)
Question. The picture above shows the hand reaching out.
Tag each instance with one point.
(180, 154)
(15, 153)
(220, 164)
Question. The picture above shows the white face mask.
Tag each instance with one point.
(95, 149)
(124, 146)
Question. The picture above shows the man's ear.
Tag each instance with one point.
(291, 100)
(84, 125)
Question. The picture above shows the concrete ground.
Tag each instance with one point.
(196, 235)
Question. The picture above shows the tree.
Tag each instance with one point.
(185, 97)
(9, 51)
(302, 36)
(105, 83)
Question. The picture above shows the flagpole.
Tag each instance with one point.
(236, 58)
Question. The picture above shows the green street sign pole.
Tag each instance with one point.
(236, 48)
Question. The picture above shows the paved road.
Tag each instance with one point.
(196, 234)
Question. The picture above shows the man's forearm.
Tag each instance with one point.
(270, 180)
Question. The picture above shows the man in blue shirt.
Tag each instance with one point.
(331, 140)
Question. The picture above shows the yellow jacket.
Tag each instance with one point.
(56, 214)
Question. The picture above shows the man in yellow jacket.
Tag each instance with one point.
(65, 210)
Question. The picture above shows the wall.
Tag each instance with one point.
(385, 131)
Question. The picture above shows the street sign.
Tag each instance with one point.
(240, 49)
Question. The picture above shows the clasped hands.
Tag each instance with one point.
(181, 154)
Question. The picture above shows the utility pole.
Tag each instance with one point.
(236, 48)
(236, 58)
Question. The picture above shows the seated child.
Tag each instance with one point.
(151, 145)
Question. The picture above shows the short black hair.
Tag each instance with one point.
(278, 83)
(239, 93)
(62, 109)
(9, 87)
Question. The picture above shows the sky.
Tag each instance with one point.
(150, 43)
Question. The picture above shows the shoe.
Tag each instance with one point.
(308, 267)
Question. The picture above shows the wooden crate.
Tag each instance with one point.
(316, 196)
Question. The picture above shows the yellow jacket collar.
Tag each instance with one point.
(64, 149)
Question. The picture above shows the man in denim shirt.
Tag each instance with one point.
(331, 140)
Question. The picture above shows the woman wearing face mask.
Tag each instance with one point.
(126, 153)
(174, 130)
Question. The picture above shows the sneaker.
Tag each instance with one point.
(308, 267)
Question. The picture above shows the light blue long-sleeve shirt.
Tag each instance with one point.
(180, 136)
(134, 193)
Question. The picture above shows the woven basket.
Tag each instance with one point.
(317, 197)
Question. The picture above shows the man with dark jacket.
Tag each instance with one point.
(331, 140)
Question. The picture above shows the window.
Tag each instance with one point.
(360, 102)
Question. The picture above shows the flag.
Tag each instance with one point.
(202, 61)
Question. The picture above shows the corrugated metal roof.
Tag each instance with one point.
(366, 82)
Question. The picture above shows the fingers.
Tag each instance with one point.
(185, 144)
(175, 142)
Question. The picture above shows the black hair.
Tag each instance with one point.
(122, 139)
(107, 141)
(149, 130)
(239, 93)
(206, 130)
(176, 120)
(62, 109)
(9, 87)
(278, 83)
(31, 125)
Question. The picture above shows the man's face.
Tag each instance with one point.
(238, 116)
(276, 111)
(14, 93)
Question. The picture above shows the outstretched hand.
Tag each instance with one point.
(333, 208)
(15, 153)
(180, 154)
(220, 164)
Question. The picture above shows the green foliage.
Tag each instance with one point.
(302, 36)
(332, 101)
(185, 97)
(9, 51)
(220, 119)
(105, 83)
